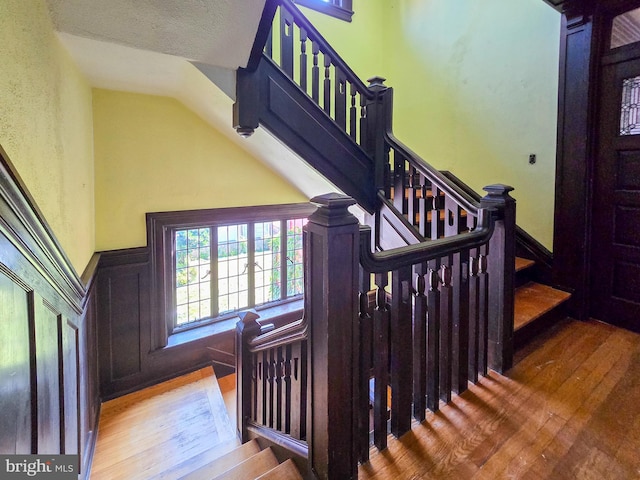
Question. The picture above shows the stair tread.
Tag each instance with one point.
(198, 461)
(253, 467)
(522, 263)
(225, 462)
(533, 300)
(285, 471)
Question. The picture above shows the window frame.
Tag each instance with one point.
(161, 227)
(342, 9)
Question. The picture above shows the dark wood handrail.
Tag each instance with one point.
(461, 197)
(289, 333)
(388, 260)
(314, 35)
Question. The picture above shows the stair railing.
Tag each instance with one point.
(385, 336)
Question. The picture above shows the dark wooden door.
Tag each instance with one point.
(615, 253)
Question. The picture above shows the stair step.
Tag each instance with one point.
(224, 463)
(253, 467)
(523, 263)
(198, 461)
(533, 300)
(285, 471)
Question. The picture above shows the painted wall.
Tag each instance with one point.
(475, 88)
(152, 154)
(46, 124)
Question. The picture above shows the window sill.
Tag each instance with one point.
(278, 315)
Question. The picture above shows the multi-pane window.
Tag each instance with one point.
(221, 269)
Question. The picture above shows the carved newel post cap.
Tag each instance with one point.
(498, 190)
(333, 210)
(249, 317)
(377, 82)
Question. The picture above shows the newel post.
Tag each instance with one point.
(378, 122)
(246, 329)
(331, 308)
(501, 269)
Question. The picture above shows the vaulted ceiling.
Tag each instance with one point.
(160, 47)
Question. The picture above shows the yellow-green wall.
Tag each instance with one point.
(152, 154)
(46, 124)
(475, 88)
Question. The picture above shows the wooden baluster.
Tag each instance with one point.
(295, 395)
(262, 388)
(303, 59)
(326, 89)
(446, 311)
(304, 382)
(363, 122)
(381, 363)
(271, 390)
(437, 229)
(401, 355)
(353, 113)
(483, 311)
(423, 207)
(420, 344)
(315, 73)
(366, 336)
(433, 338)
(399, 182)
(460, 322)
(340, 99)
(474, 313)
(412, 197)
(286, 42)
(254, 387)
(246, 329)
(280, 390)
(450, 217)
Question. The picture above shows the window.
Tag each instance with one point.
(336, 8)
(225, 268)
(209, 264)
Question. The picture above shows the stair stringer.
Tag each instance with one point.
(267, 97)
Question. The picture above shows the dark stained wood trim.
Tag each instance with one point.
(56, 300)
(342, 12)
(25, 226)
(264, 29)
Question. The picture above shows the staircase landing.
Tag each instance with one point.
(164, 431)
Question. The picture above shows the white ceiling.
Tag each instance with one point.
(216, 32)
(146, 46)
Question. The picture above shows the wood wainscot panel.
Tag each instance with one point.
(15, 366)
(48, 375)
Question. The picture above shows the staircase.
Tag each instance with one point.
(441, 296)
(181, 429)
(248, 461)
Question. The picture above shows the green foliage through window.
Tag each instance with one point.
(226, 268)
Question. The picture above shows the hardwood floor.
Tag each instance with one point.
(569, 409)
(163, 431)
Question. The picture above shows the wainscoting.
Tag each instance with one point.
(49, 400)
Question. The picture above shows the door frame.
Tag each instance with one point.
(586, 27)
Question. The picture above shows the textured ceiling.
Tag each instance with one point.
(215, 32)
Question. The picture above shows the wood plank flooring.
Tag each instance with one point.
(163, 431)
(569, 409)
